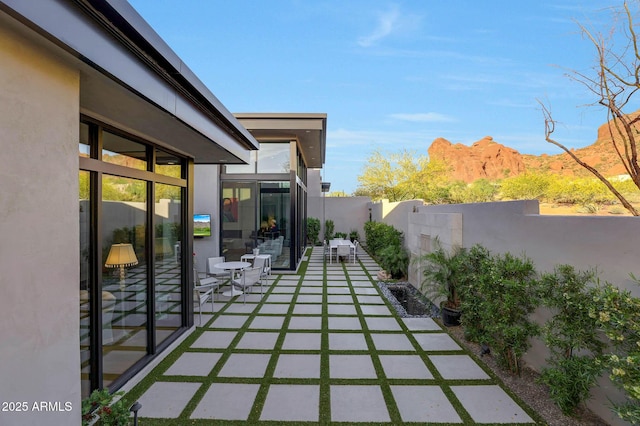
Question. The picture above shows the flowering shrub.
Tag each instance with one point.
(100, 404)
(571, 330)
(617, 313)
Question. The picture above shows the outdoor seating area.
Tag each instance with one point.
(323, 346)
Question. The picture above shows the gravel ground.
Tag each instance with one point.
(533, 394)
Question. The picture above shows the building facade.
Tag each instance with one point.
(101, 126)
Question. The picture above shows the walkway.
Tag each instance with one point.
(322, 348)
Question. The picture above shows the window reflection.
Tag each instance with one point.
(274, 158)
(124, 152)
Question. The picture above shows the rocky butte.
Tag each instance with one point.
(488, 159)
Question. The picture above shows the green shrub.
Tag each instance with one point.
(571, 330)
(379, 235)
(394, 260)
(328, 229)
(342, 235)
(100, 404)
(313, 229)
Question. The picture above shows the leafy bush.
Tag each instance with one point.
(313, 229)
(570, 330)
(342, 235)
(394, 260)
(100, 404)
(328, 229)
(528, 186)
(354, 235)
(443, 274)
(380, 235)
(617, 313)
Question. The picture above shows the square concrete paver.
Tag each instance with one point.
(229, 321)
(341, 310)
(347, 342)
(490, 404)
(339, 298)
(370, 300)
(392, 342)
(274, 308)
(305, 323)
(375, 310)
(385, 324)
(193, 364)
(404, 367)
(351, 367)
(292, 403)
(311, 290)
(421, 324)
(238, 307)
(245, 365)
(436, 342)
(258, 340)
(424, 404)
(302, 341)
(214, 339)
(338, 290)
(267, 322)
(315, 309)
(358, 403)
(462, 367)
(279, 298)
(344, 323)
(166, 400)
(226, 401)
(309, 298)
(370, 291)
(298, 366)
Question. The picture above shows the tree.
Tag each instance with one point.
(615, 82)
(402, 176)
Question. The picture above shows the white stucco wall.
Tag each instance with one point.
(586, 242)
(39, 306)
(206, 199)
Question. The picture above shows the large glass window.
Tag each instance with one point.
(275, 223)
(274, 158)
(124, 278)
(85, 300)
(238, 219)
(243, 168)
(168, 271)
(132, 282)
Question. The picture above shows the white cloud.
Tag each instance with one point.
(424, 117)
(386, 25)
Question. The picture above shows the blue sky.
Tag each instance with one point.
(395, 75)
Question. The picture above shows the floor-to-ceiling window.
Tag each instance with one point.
(132, 286)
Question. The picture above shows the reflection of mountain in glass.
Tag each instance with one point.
(201, 225)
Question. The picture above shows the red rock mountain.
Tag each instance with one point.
(488, 159)
(485, 159)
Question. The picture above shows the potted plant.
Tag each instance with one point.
(100, 409)
(443, 272)
(353, 235)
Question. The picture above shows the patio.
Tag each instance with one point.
(322, 347)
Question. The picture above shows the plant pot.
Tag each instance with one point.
(450, 316)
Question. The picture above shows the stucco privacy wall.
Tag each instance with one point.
(605, 243)
(206, 200)
(39, 110)
(347, 213)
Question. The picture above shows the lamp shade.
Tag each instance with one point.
(121, 255)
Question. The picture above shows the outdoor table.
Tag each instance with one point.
(232, 267)
(333, 245)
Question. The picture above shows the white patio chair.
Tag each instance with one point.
(203, 291)
(354, 250)
(325, 250)
(261, 261)
(216, 272)
(343, 250)
(247, 279)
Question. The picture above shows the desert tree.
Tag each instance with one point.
(614, 82)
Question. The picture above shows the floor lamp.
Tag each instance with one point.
(121, 256)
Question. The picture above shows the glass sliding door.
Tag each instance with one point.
(168, 270)
(124, 275)
(275, 223)
(238, 219)
(85, 282)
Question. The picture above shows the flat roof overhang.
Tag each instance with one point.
(130, 77)
(309, 130)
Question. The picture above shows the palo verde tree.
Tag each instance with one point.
(402, 176)
(614, 83)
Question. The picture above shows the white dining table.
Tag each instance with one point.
(333, 245)
(232, 267)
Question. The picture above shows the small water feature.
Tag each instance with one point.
(407, 300)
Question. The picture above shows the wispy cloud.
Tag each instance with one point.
(424, 117)
(390, 22)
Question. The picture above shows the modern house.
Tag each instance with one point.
(101, 128)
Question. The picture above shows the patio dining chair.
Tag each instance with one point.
(343, 250)
(261, 261)
(204, 291)
(248, 278)
(354, 250)
(212, 271)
